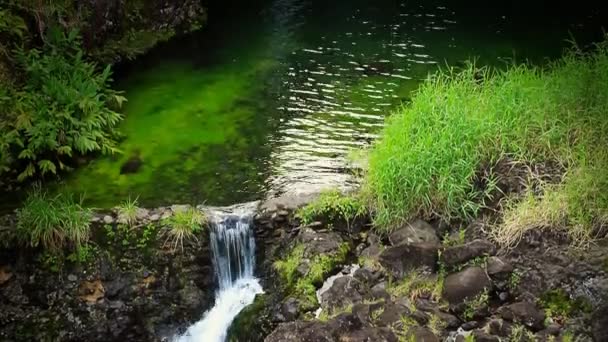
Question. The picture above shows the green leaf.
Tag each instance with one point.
(47, 166)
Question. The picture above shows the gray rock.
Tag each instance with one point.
(414, 232)
(457, 255)
(108, 219)
(496, 266)
(191, 296)
(525, 313)
(142, 214)
(378, 291)
(391, 314)
(465, 284)
(319, 243)
(154, 217)
(179, 208)
(289, 310)
(370, 334)
(343, 292)
(399, 260)
(72, 278)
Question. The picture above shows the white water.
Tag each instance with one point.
(233, 247)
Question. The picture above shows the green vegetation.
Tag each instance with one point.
(437, 155)
(183, 226)
(127, 211)
(472, 306)
(326, 315)
(332, 205)
(559, 306)
(415, 285)
(304, 287)
(52, 222)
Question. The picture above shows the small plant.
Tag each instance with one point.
(449, 241)
(52, 222)
(327, 314)
(519, 333)
(514, 280)
(474, 305)
(332, 205)
(127, 211)
(375, 315)
(146, 236)
(288, 266)
(82, 255)
(436, 324)
(469, 338)
(110, 233)
(52, 261)
(183, 226)
(559, 306)
(407, 323)
(415, 285)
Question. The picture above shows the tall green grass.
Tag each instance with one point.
(53, 222)
(430, 154)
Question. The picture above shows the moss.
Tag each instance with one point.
(331, 205)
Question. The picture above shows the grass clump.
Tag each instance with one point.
(429, 159)
(127, 211)
(53, 222)
(184, 226)
(332, 205)
(416, 285)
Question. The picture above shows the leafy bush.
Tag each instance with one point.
(332, 205)
(52, 222)
(429, 156)
(184, 226)
(62, 110)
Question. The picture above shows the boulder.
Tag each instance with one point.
(401, 259)
(390, 314)
(301, 331)
(370, 334)
(344, 291)
(288, 310)
(453, 256)
(525, 313)
(319, 243)
(497, 267)
(465, 284)
(414, 232)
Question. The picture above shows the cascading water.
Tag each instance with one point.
(233, 248)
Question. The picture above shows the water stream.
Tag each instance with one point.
(233, 248)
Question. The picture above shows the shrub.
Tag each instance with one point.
(427, 162)
(62, 110)
(184, 226)
(332, 205)
(52, 222)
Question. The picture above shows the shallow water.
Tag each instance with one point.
(271, 98)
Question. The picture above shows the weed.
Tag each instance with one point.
(514, 280)
(329, 314)
(436, 324)
(52, 222)
(82, 255)
(415, 285)
(183, 226)
(146, 236)
(127, 211)
(52, 261)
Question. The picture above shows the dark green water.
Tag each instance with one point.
(271, 98)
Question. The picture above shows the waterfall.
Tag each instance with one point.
(233, 248)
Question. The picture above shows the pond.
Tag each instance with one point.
(272, 98)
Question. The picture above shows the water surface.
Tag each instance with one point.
(271, 98)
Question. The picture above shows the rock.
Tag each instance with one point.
(450, 321)
(108, 219)
(465, 284)
(318, 243)
(132, 165)
(414, 232)
(72, 278)
(91, 291)
(142, 214)
(369, 334)
(289, 310)
(496, 266)
(399, 260)
(482, 336)
(469, 325)
(5, 275)
(301, 331)
(365, 276)
(600, 323)
(191, 297)
(390, 314)
(154, 217)
(499, 327)
(378, 291)
(421, 334)
(453, 256)
(525, 313)
(119, 287)
(180, 208)
(344, 291)
(283, 213)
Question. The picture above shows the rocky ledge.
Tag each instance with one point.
(415, 285)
